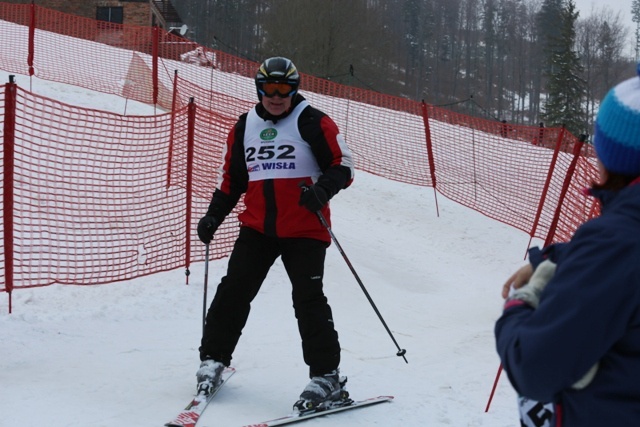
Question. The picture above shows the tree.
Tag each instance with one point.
(601, 41)
(587, 45)
(635, 17)
(489, 27)
(322, 39)
(549, 23)
(503, 52)
(524, 60)
(418, 27)
(566, 89)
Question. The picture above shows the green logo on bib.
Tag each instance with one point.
(268, 134)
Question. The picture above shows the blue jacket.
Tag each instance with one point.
(589, 312)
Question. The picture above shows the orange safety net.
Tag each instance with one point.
(95, 197)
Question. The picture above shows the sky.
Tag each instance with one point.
(623, 6)
(126, 353)
(588, 7)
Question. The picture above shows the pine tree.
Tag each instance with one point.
(566, 89)
(548, 26)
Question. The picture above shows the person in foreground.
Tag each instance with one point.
(288, 159)
(570, 330)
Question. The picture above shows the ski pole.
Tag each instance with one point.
(401, 352)
(206, 281)
(493, 390)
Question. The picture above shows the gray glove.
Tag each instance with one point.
(530, 293)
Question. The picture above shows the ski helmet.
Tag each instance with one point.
(277, 70)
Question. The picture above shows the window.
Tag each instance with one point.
(110, 14)
(109, 25)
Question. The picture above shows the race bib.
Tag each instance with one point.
(277, 150)
(535, 414)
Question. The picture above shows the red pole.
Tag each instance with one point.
(32, 36)
(547, 183)
(189, 190)
(493, 390)
(8, 168)
(432, 163)
(172, 130)
(577, 147)
(154, 63)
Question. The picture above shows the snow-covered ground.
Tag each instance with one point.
(126, 353)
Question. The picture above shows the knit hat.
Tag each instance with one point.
(617, 130)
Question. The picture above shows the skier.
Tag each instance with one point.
(289, 159)
(570, 330)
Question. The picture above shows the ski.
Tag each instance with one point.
(298, 417)
(189, 416)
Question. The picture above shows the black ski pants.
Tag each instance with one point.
(253, 255)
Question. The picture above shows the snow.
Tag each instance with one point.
(126, 353)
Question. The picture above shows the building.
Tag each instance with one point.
(133, 12)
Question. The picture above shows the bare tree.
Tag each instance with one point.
(600, 41)
(327, 38)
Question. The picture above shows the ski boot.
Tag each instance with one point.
(209, 376)
(323, 392)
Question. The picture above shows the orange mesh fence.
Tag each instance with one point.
(94, 197)
(210, 134)
(89, 200)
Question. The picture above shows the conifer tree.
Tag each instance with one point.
(566, 89)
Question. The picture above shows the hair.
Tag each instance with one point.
(614, 182)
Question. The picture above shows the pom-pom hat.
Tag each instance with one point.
(617, 130)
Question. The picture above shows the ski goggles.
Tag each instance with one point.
(282, 89)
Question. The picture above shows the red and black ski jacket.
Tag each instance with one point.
(266, 158)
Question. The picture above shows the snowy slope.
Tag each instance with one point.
(126, 353)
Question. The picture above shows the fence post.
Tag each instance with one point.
(172, 129)
(547, 182)
(32, 37)
(154, 62)
(432, 163)
(577, 147)
(7, 179)
(189, 186)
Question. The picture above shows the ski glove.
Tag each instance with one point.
(530, 293)
(313, 197)
(206, 228)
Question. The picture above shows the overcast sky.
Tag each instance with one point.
(623, 6)
(586, 7)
